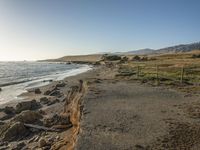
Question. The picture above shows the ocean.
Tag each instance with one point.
(17, 77)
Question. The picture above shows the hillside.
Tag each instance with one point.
(180, 48)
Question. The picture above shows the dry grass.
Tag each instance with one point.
(169, 70)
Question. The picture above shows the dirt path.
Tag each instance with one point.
(125, 115)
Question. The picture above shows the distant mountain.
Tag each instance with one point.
(180, 48)
(141, 52)
(173, 49)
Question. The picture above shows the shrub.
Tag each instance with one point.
(111, 57)
(136, 58)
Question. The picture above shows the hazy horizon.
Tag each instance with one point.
(35, 30)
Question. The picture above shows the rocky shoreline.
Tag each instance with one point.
(48, 118)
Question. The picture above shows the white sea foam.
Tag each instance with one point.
(11, 92)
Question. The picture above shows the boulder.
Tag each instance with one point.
(48, 92)
(4, 116)
(27, 105)
(53, 101)
(57, 120)
(56, 93)
(37, 91)
(28, 117)
(9, 110)
(13, 131)
(50, 101)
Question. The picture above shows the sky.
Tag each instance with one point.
(41, 29)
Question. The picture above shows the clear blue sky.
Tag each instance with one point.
(39, 29)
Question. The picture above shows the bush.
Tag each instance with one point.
(124, 58)
(136, 58)
(111, 57)
(144, 59)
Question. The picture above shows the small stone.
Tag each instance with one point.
(36, 139)
(57, 137)
(3, 143)
(53, 102)
(56, 93)
(19, 146)
(44, 100)
(62, 84)
(52, 139)
(37, 91)
(47, 92)
(42, 142)
(43, 134)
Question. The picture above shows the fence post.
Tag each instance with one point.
(138, 71)
(157, 76)
(182, 74)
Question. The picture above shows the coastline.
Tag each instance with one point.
(100, 110)
(11, 93)
(54, 107)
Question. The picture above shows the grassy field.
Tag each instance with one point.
(177, 70)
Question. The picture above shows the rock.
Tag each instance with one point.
(4, 116)
(51, 102)
(36, 139)
(57, 120)
(42, 142)
(19, 146)
(139, 147)
(56, 93)
(28, 116)
(27, 105)
(4, 148)
(47, 92)
(48, 80)
(57, 137)
(37, 91)
(44, 100)
(13, 131)
(51, 139)
(3, 143)
(2, 123)
(9, 110)
(61, 84)
(0, 89)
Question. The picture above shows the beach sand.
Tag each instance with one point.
(102, 111)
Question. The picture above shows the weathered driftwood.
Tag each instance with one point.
(40, 127)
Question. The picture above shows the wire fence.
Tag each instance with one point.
(161, 73)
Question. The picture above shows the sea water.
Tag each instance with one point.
(17, 77)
